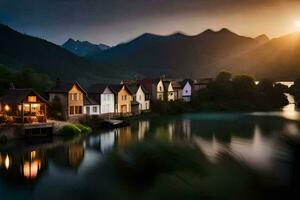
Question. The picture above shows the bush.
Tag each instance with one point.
(72, 130)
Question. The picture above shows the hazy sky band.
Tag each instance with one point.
(114, 21)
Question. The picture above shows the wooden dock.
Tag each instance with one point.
(114, 123)
(38, 129)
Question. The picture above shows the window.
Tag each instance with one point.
(78, 110)
(72, 110)
(87, 110)
(140, 97)
(26, 108)
(160, 89)
(95, 109)
(124, 97)
(75, 97)
(186, 91)
(31, 98)
(171, 94)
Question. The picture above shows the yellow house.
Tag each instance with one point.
(123, 98)
(70, 95)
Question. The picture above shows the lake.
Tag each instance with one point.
(56, 169)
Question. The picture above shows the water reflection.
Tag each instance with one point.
(257, 141)
(22, 166)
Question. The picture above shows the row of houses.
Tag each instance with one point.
(128, 97)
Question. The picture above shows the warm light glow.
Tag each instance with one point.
(31, 169)
(31, 98)
(297, 24)
(32, 154)
(6, 108)
(7, 162)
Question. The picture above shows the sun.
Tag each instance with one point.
(297, 24)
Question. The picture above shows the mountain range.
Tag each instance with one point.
(84, 48)
(175, 55)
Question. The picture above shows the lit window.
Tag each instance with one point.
(26, 108)
(75, 97)
(31, 98)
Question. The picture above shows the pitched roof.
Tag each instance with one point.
(64, 87)
(15, 96)
(147, 83)
(185, 81)
(166, 84)
(89, 101)
(133, 88)
(176, 84)
(116, 88)
(97, 88)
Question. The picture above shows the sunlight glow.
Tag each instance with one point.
(297, 24)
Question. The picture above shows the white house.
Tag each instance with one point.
(160, 90)
(187, 90)
(90, 106)
(174, 91)
(103, 95)
(107, 101)
(140, 95)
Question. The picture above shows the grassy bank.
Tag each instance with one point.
(71, 131)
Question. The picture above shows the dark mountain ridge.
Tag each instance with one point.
(19, 50)
(176, 54)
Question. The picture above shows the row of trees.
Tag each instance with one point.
(24, 78)
(240, 93)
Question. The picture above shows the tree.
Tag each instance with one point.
(56, 111)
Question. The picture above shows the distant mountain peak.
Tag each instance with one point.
(83, 48)
(226, 31)
(262, 39)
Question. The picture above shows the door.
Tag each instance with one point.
(124, 108)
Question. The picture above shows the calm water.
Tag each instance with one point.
(53, 169)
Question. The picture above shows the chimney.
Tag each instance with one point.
(11, 86)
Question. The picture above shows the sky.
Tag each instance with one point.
(115, 21)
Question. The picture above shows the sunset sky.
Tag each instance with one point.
(115, 21)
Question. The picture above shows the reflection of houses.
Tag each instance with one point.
(68, 156)
(75, 155)
(212, 149)
(70, 95)
(144, 127)
(103, 142)
(24, 106)
(17, 167)
(124, 136)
